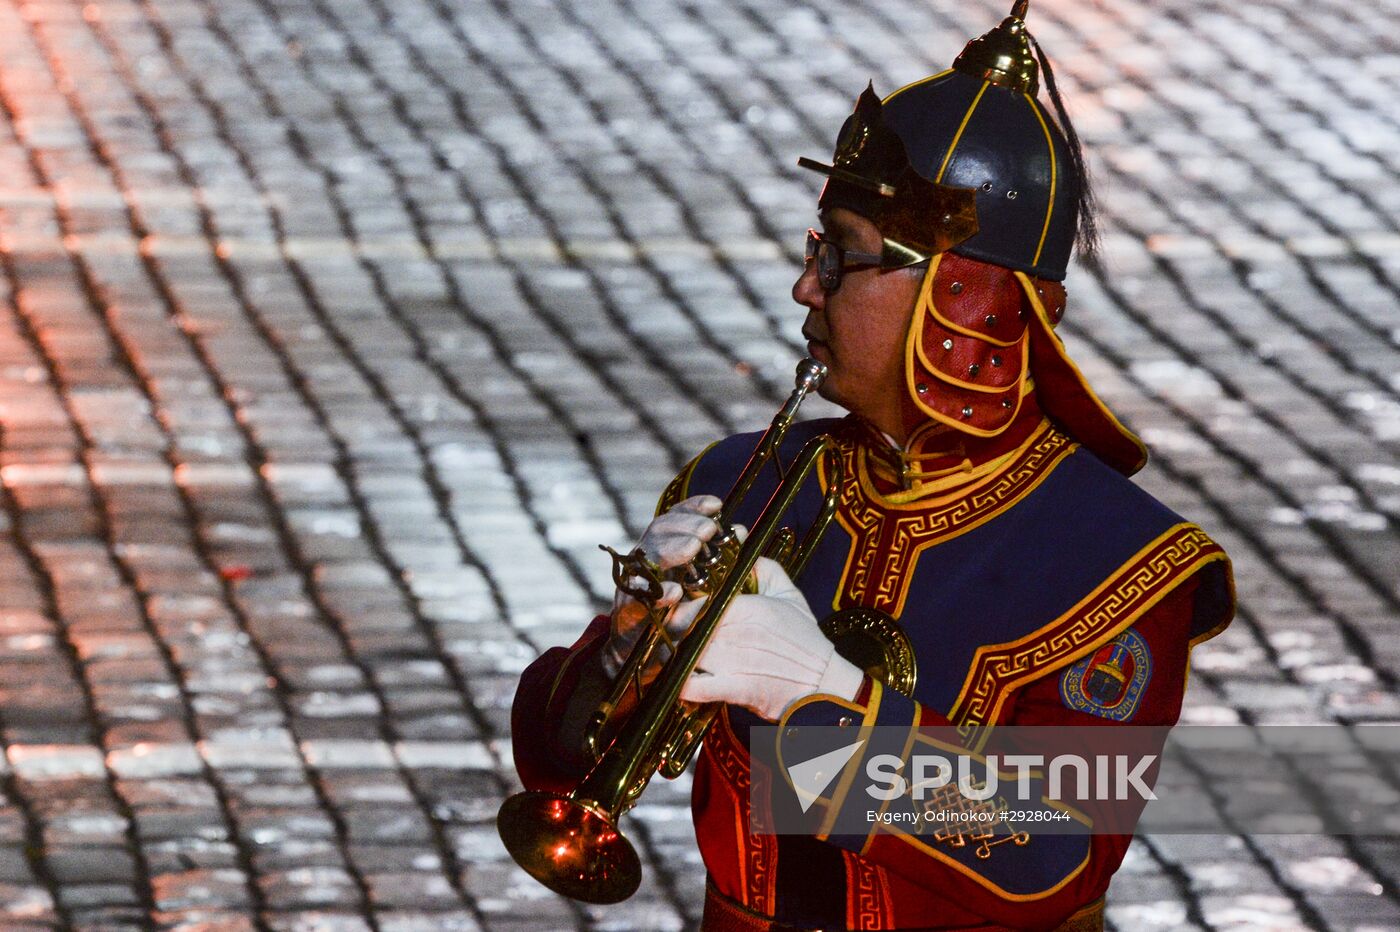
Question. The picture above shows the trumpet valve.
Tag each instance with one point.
(782, 546)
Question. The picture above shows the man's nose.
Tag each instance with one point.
(807, 291)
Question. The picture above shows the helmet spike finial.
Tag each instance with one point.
(1003, 56)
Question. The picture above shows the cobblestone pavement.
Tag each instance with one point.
(336, 334)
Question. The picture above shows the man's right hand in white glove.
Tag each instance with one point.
(672, 539)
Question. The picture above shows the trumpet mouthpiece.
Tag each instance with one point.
(810, 374)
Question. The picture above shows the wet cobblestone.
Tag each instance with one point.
(334, 337)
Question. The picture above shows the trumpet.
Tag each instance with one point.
(571, 842)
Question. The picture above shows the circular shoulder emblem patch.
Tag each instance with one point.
(1109, 682)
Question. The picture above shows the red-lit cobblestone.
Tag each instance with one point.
(336, 334)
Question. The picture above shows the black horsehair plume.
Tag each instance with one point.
(1087, 236)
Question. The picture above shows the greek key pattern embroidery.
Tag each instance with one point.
(760, 848)
(868, 906)
(1121, 599)
(887, 542)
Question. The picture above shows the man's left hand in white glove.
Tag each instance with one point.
(768, 652)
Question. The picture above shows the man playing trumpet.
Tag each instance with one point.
(984, 527)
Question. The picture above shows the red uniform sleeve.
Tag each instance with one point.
(564, 686)
(1044, 882)
(556, 695)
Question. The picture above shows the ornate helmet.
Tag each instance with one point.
(967, 171)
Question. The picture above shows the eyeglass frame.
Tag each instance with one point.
(858, 260)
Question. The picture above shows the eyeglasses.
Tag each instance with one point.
(833, 261)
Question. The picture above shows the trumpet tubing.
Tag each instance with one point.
(571, 842)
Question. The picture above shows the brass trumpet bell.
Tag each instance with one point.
(570, 847)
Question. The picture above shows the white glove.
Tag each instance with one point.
(672, 539)
(768, 652)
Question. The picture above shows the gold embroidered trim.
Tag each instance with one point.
(888, 538)
(757, 851)
(1119, 601)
